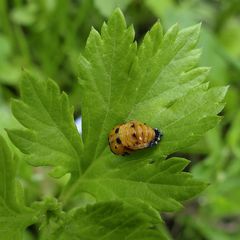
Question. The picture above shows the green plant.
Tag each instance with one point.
(214, 215)
(109, 196)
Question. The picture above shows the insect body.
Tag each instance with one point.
(131, 136)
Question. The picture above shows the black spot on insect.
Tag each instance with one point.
(115, 147)
(119, 141)
(152, 144)
(157, 138)
(158, 135)
(134, 135)
(132, 125)
(117, 130)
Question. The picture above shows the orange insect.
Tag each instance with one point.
(131, 136)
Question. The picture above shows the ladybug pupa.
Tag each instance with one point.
(131, 136)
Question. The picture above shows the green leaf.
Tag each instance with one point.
(157, 83)
(14, 216)
(110, 220)
(160, 185)
(185, 121)
(51, 137)
(104, 71)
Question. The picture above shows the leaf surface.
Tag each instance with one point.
(160, 185)
(14, 216)
(107, 221)
(50, 137)
(157, 83)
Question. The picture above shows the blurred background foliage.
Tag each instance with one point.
(46, 37)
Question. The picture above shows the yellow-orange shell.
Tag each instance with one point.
(131, 136)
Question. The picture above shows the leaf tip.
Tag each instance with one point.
(157, 28)
(25, 76)
(197, 26)
(118, 18)
(225, 90)
(117, 13)
(157, 25)
(173, 30)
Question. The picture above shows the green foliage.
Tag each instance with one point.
(8, 72)
(44, 37)
(160, 185)
(110, 220)
(220, 203)
(157, 82)
(216, 160)
(52, 138)
(14, 216)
